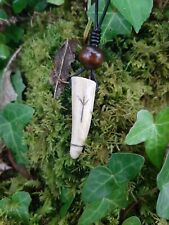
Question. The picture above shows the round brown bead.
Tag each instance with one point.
(91, 57)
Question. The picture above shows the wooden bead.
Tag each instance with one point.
(91, 57)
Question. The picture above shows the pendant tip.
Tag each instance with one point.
(74, 152)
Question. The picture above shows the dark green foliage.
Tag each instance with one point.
(163, 185)
(106, 186)
(134, 76)
(13, 118)
(12, 13)
(132, 221)
(121, 16)
(16, 207)
(154, 132)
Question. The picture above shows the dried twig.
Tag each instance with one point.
(19, 168)
(12, 59)
(60, 69)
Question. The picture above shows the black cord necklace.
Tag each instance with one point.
(91, 55)
(83, 90)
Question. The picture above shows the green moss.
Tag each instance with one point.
(135, 76)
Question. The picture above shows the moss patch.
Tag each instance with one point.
(135, 76)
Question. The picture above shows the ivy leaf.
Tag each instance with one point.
(16, 206)
(13, 119)
(97, 210)
(156, 145)
(99, 179)
(125, 166)
(122, 168)
(141, 129)
(106, 187)
(56, 2)
(19, 5)
(18, 85)
(163, 185)
(135, 11)
(163, 176)
(133, 220)
(155, 134)
(163, 202)
(114, 23)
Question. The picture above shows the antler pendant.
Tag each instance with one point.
(83, 96)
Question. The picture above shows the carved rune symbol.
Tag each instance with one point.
(83, 102)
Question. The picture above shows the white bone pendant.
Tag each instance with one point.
(83, 96)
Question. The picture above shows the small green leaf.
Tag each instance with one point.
(97, 210)
(18, 85)
(13, 119)
(122, 168)
(134, 220)
(16, 206)
(141, 129)
(98, 180)
(163, 176)
(125, 166)
(67, 198)
(158, 140)
(4, 52)
(19, 5)
(113, 24)
(163, 202)
(135, 11)
(106, 188)
(56, 2)
(155, 134)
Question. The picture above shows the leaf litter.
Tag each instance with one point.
(7, 91)
(62, 66)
